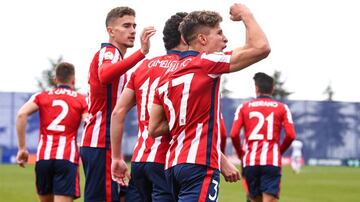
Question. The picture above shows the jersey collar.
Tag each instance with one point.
(264, 96)
(189, 53)
(109, 44)
(63, 86)
(176, 52)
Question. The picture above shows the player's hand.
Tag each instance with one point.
(229, 171)
(146, 34)
(22, 157)
(238, 11)
(119, 171)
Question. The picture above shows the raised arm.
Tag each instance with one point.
(21, 122)
(109, 71)
(256, 45)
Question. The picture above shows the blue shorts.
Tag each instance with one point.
(193, 183)
(58, 177)
(132, 193)
(150, 183)
(263, 179)
(97, 168)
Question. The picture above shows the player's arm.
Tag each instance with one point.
(85, 116)
(158, 124)
(223, 134)
(228, 170)
(21, 122)
(109, 71)
(85, 112)
(235, 132)
(256, 45)
(119, 168)
(289, 130)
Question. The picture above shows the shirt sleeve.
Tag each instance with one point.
(130, 83)
(216, 63)
(84, 106)
(289, 130)
(111, 68)
(35, 98)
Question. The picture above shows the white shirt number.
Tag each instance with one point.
(255, 135)
(55, 124)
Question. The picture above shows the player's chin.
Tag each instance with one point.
(129, 44)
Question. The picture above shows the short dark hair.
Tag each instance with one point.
(171, 33)
(196, 20)
(118, 12)
(64, 71)
(264, 82)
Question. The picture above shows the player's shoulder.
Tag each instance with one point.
(36, 95)
(215, 56)
(108, 51)
(80, 95)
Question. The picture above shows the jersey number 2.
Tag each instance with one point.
(55, 124)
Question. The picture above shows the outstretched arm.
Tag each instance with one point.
(21, 122)
(256, 45)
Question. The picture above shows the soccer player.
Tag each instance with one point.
(187, 102)
(296, 156)
(106, 81)
(57, 158)
(262, 119)
(147, 163)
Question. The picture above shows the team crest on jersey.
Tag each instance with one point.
(108, 56)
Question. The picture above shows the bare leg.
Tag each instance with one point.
(61, 198)
(269, 198)
(257, 199)
(46, 198)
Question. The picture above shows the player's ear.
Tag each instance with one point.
(257, 90)
(272, 90)
(56, 81)
(182, 40)
(202, 39)
(110, 31)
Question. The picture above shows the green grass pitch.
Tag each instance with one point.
(313, 184)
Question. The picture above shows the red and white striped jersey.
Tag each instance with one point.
(61, 111)
(101, 99)
(144, 82)
(189, 94)
(262, 120)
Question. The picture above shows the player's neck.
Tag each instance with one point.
(65, 85)
(122, 48)
(263, 95)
